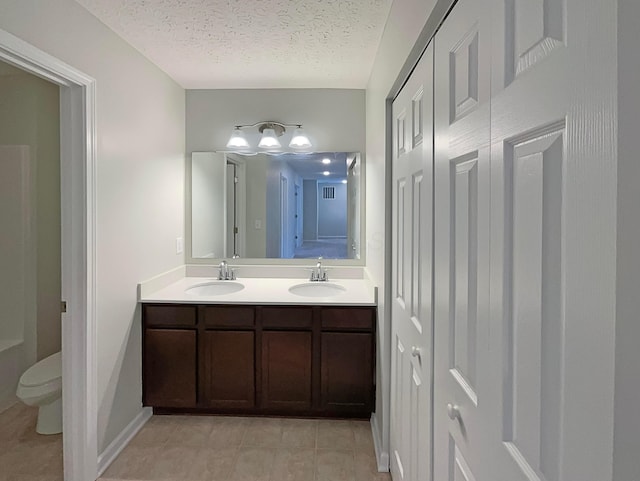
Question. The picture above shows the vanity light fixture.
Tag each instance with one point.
(270, 131)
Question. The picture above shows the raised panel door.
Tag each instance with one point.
(411, 304)
(461, 261)
(229, 369)
(169, 368)
(286, 370)
(553, 231)
(346, 372)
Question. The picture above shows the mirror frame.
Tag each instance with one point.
(240, 261)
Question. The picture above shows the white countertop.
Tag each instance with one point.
(263, 291)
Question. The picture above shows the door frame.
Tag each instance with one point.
(78, 236)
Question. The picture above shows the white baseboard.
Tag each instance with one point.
(120, 442)
(382, 457)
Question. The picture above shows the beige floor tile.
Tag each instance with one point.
(178, 462)
(335, 435)
(191, 431)
(155, 432)
(299, 433)
(17, 421)
(362, 435)
(366, 468)
(332, 465)
(32, 459)
(294, 464)
(28, 477)
(253, 464)
(266, 432)
(220, 463)
(227, 431)
(133, 463)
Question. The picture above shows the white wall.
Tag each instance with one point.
(333, 118)
(626, 452)
(332, 213)
(140, 184)
(406, 20)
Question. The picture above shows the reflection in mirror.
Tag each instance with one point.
(284, 206)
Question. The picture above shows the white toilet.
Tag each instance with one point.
(41, 385)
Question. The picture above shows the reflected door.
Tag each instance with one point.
(412, 267)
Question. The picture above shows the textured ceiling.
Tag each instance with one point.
(252, 43)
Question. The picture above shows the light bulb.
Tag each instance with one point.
(269, 139)
(238, 140)
(299, 140)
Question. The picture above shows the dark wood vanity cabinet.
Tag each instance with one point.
(170, 357)
(299, 360)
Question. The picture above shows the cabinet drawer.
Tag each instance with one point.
(232, 316)
(347, 318)
(161, 316)
(287, 317)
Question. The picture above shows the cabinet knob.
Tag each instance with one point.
(453, 411)
(416, 352)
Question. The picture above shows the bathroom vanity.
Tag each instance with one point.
(286, 355)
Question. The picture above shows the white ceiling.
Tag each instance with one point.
(252, 43)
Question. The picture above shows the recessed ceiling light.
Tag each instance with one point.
(344, 181)
(326, 172)
(326, 161)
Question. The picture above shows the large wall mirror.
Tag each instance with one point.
(275, 206)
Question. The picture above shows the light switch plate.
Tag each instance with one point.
(179, 245)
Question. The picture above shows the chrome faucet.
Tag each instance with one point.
(226, 273)
(318, 274)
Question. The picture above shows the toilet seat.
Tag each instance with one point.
(44, 372)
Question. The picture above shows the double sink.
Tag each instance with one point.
(306, 289)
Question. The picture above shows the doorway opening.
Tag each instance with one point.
(77, 181)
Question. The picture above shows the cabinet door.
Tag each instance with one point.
(286, 370)
(346, 372)
(228, 375)
(170, 368)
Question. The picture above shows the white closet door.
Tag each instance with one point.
(553, 239)
(462, 201)
(412, 271)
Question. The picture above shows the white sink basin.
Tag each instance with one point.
(316, 289)
(215, 288)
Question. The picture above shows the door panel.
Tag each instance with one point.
(286, 370)
(412, 268)
(170, 367)
(346, 371)
(229, 369)
(462, 194)
(553, 211)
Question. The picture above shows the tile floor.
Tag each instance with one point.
(212, 448)
(24, 454)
